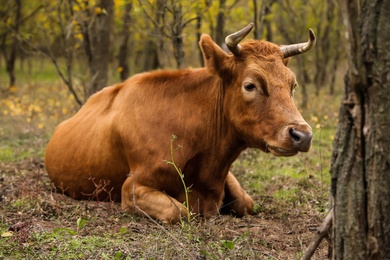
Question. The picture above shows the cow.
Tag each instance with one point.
(117, 145)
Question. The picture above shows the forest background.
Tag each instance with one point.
(55, 54)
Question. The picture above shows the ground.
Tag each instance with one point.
(37, 222)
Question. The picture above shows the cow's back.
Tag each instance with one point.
(129, 127)
(85, 155)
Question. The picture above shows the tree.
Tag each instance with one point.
(220, 29)
(329, 47)
(10, 54)
(65, 41)
(97, 43)
(170, 20)
(10, 37)
(123, 48)
(360, 168)
(296, 18)
(260, 21)
(177, 27)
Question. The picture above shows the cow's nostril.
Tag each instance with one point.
(301, 139)
(296, 135)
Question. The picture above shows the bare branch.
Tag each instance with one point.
(154, 21)
(322, 232)
(229, 8)
(189, 20)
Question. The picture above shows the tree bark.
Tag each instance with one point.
(198, 35)
(123, 48)
(361, 159)
(260, 21)
(220, 28)
(294, 20)
(177, 34)
(11, 53)
(99, 39)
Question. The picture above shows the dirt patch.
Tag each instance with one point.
(42, 222)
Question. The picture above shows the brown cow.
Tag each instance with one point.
(117, 144)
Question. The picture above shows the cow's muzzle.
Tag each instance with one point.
(301, 138)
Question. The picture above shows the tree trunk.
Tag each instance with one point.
(220, 28)
(177, 35)
(323, 55)
(260, 21)
(301, 75)
(361, 159)
(99, 39)
(10, 54)
(158, 60)
(198, 35)
(123, 49)
(256, 29)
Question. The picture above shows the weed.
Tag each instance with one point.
(181, 175)
(80, 223)
(101, 188)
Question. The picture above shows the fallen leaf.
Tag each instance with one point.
(7, 234)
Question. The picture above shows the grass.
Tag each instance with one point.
(291, 194)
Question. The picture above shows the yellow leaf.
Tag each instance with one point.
(40, 126)
(13, 89)
(9, 21)
(7, 234)
(98, 10)
(64, 110)
(120, 69)
(79, 36)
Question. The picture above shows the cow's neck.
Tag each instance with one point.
(222, 136)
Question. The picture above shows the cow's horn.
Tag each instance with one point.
(232, 41)
(298, 48)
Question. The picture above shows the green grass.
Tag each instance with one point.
(21, 147)
(61, 244)
(31, 71)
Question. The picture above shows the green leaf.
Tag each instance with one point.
(122, 230)
(80, 223)
(228, 244)
(118, 255)
(67, 230)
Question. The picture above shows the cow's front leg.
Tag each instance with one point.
(236, 199)
(143, 200)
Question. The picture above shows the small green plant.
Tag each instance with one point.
(181, 175)
(80, 223)
(230, 244)
(118, 255)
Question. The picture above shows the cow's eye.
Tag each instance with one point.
(250, 87)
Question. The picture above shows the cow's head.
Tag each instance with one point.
(258, 91)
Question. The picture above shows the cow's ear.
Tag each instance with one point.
(215, 58)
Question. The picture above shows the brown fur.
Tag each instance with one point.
(120, 138)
